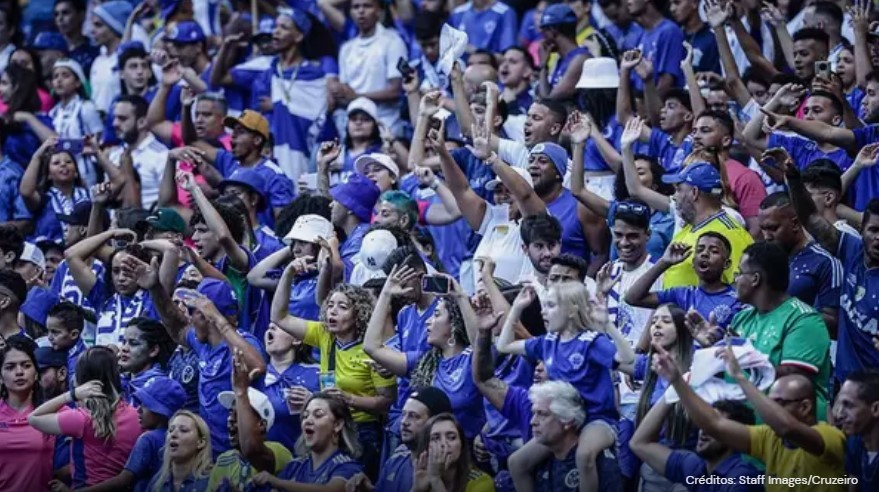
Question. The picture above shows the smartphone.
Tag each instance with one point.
(822, 69)
(71, 145)
(434, 284)
(405, 69)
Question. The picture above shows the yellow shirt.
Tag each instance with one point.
(233, 470)
(683, 274)
(785, 463)
(479, 482)
(353, 374)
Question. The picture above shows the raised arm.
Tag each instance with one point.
(750, 47)
(639, 293)
(717, 17)
(772, 16)
(785, 425)
(156, 118)
(44, 418)
(819, 227)
(753, 132)
(580, 129)
(77, 256)
(42, 131)
(866, 159)
(472, 206)
(630, 60)
(462, 104)
(251, 441)
(507, 343)
(445, 212)
(29, 186)
(645, 441)
(697, 102)
(652, 102)
(280, 314)
(735, 435)
(258, 276)
(491, 387)
(147, 275)
(373, 344)
(237, 257)
(813, 129)
(656, 200)
(860, 13)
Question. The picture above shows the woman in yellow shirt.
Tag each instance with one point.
(345, 369)
(443, 460)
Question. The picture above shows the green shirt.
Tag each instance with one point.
(793, 334)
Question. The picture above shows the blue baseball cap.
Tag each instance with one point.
(358, 195)
(161, 395)
(557, 14)
(48, 357)
(38, 303)
(50, 41)
(556, 153)
(221, 294)
(249, 178)
(130, 46)
(300, 18)
(699, 175)
(185, 32)
(169, 6)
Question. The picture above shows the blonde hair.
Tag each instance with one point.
(203, 460)
(574, 297)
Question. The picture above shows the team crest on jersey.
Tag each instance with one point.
(860, 293)
(722, 313)
(188, 374)
(572, 479)
(489, 26)
(576, 360)
(455, 376)
(607, 132)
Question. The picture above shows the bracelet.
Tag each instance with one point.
(73, 395)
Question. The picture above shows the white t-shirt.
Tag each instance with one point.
(149, 160)
(502, 242)
(367, 64)
(104, 77)
(631, 321)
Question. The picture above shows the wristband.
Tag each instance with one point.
(73, 395)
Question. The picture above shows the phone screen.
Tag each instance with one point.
(435, 284)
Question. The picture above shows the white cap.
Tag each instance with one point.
(309, 228)
(258, 401)
(363, 104)
(33, 254)
(376, 247)
(599, 73)
(492, 184)
(382, 160)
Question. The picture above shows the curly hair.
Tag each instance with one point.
(425, 371)
(362, 302)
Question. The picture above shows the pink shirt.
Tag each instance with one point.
(26, 454)
(96, 460)
(46, 101)
(747, 188)
(177, 141)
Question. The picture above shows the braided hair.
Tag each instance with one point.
(424, 372)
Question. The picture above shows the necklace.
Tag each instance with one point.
(287, 84)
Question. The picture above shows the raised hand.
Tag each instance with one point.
(191, 154)
(430, 103)
(605, 281)
(664, 364)
(632, 132)
(525, 298)
(868, 155)
(146, 275)
(733, 368)
(186, 180)
(411, 83)
(487, 317)
(718, 12)
(172, 73)
(687, 62)
(579, 127)
(707, 333)
(436, 138)
(396, 283)
(101, 193)
(789, 95)
(359, 483)
(481, 147)
(771, 15)
(329, 151)
(645, 69)
(303, 265)
(630, 60)
(775, 162)
(91, 389)
(774, 121)
(860, 14)
(676, 253)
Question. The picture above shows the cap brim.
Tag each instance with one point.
(68, 219)
(672, 179)
(227, 399)
(231, 121)
(151, 403)
(492, 184)
(227, 182)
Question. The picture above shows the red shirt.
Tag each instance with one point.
(747, 188)
(177, 141)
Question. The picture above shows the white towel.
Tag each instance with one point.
(707, 371)
(453, 44)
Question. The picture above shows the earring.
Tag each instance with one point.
(452, 342)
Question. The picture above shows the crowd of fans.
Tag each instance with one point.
(383, 245)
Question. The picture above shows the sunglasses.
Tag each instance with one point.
(633, 208)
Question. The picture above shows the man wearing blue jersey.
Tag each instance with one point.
(662, 42)
(397, 471)
(489, 24)
(856, 412)
(859, 256)
(815, 275)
